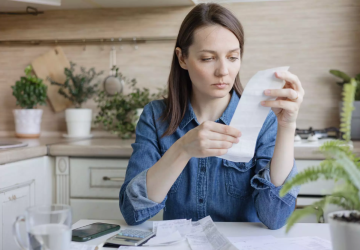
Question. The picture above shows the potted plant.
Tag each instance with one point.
(29, 92)
(355, 121)
(119, 113)
(341, 164)
(78, 88)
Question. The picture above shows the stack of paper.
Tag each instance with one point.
(202, 234)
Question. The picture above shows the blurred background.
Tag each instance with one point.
(311, 37)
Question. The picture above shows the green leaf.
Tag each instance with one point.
(316, 208)
(340, 74)
(349, 166)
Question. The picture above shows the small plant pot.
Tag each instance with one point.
(344, 235)
(355, 120)
(27, 122)
(78, 122)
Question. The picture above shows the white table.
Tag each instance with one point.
(229, 229)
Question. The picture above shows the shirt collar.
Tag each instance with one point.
(225, 117)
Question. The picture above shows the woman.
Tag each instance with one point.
(174, 165)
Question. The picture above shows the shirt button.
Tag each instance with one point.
(203, 169)
(201, 200)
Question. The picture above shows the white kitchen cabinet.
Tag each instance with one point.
(91, 186)
(23, 184)
(95, 186)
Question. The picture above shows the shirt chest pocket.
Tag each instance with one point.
(237, 178)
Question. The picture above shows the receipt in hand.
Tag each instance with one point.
(250, 115)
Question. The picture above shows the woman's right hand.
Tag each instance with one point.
(209, 139)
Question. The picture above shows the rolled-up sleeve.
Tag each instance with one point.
(135, 205)
(271, 209)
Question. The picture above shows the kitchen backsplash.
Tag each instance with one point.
(309, 36)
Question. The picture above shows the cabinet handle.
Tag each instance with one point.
(12, 198)
(105, 178)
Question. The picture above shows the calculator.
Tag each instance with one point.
(129, 237)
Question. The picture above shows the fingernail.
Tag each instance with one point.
(262, 103)
(267, 92)
(279, 73)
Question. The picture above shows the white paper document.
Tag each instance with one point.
(250, 115)
(169, 232)
(204, 235)
(163, 228)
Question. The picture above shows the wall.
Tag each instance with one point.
(309, 36)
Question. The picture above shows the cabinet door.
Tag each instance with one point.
(23, 184)
(13, 202)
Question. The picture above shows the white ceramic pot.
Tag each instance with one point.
(78, 122)
(344, 235)
(27, 122)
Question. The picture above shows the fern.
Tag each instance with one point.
(346, 199)
(316, 208)
(340, 164)
(328, 169)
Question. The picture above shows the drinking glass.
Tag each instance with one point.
(47, 227)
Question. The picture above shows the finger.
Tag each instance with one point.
(222, 137)
(289, 77)
(218, 144)
(283, 104)
(214, 152)
(289, 93)
(221, 128)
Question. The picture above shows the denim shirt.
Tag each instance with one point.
(225, 190)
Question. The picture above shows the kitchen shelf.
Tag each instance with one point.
(88, 41)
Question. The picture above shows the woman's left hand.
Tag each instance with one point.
(288, 99)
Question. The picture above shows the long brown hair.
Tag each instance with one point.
(179, 83)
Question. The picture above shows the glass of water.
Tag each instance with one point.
(47, 227)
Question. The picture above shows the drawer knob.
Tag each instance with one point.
(105, 178)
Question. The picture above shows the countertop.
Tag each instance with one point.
(228, 229)
(36, 148)
(103, 147)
